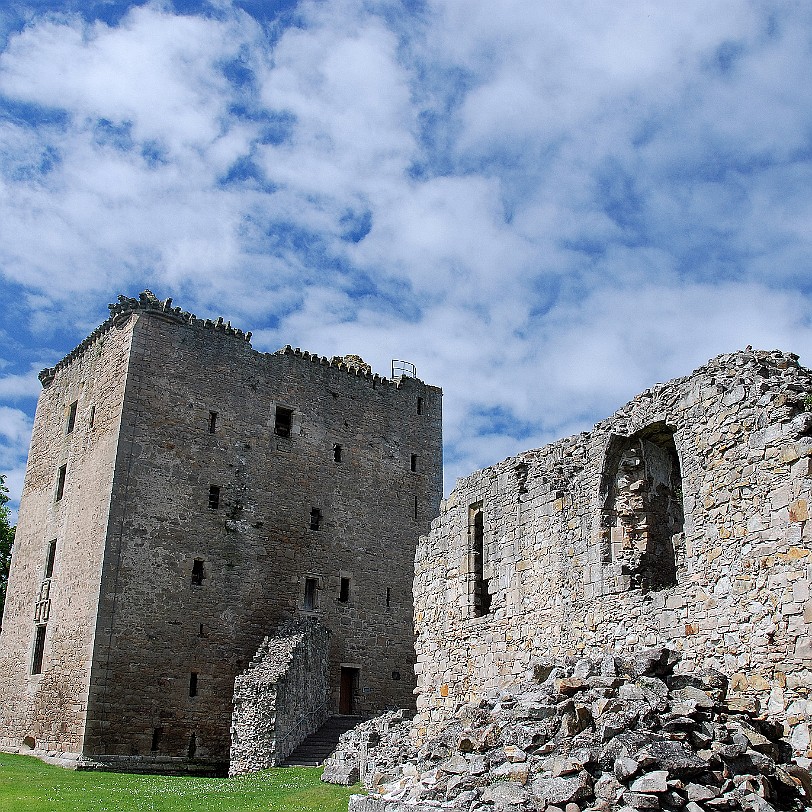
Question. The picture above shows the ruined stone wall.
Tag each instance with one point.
(256, 549)
(681, 520)
(46, 712)
(281, 698)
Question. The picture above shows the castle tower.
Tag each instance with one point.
(186, 494)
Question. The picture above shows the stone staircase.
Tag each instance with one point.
(313, 751)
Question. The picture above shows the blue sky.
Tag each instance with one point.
(547, 207)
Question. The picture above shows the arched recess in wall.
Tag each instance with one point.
(642, 514)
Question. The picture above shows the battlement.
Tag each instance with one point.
(147, 302)
(123, 308)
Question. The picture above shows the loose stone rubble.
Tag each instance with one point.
(609, 733)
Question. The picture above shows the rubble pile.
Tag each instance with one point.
(588, 734)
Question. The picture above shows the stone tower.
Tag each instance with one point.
(185, 495)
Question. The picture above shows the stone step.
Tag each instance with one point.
(318, 746)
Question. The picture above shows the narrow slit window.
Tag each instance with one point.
(311, 585)
(388, 596)
(420, 405)
(193, 683)
(60, 482)
(198, 574)
(214, 497)
(92, 419)
(415, 508)
(71, 417)
(39, 650)
(283, 421)
(413, 463)
(192, 746)
(315, 519)
(476, 529)
(212, 422)
(337, 452)
(157, 735)
(344, 591)
(50, 557)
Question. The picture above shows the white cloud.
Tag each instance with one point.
(545, 206)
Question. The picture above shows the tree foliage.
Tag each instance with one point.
(6, 541)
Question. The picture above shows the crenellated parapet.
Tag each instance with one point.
(351, 364)
(149, 303)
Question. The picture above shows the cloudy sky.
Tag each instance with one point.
(546, 206)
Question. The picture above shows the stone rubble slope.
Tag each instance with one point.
(600, 734)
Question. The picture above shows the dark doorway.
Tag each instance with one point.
(349, 687)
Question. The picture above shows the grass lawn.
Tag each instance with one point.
(28, 785)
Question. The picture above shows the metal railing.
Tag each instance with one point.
(403, 369)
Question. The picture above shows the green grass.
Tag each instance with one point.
(28, 785)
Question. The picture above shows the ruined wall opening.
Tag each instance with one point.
(198, 574)
(643, 510)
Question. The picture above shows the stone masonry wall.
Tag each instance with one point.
(281, 698)
(681, 520)
(48, 710)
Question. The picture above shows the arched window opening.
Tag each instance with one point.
(643, 511)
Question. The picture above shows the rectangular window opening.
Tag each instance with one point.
(311, 585)
(283, 421)
(413, 463)
(71, 417)
(60, 482)
(337, 452)
(50, 558)
(344, 591)
(157, 735)
(39, 650)
(92, 418)
(415, 508)
(197, 573)
(192, 746)
(420, 405)
(193, 683)
(214, 496)
(388, 596)
(212, 422)
(315, 519)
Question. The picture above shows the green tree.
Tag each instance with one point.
(6, 542)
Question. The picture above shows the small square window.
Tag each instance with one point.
(283, 421)
(214, 497)
(71, 417)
